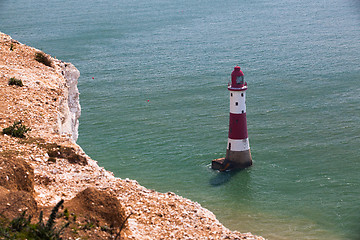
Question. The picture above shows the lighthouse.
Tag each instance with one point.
(238, 154)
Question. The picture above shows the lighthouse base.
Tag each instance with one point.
(233, 160)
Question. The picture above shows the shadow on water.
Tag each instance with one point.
(222, 178)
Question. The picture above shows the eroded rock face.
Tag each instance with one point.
(70, 109)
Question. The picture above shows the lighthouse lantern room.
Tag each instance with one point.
(238, 149)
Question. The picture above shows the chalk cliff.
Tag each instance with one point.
(48, 165)
(70, 109)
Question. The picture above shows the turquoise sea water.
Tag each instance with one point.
(301, 60)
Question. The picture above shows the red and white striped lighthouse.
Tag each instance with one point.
(238, 149)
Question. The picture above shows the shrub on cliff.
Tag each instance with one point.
(16, 130)
(22, 228)
(42, 58)
(15, 81)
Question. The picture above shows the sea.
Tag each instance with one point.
(155, 104)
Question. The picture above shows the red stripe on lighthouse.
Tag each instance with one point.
(237, 126)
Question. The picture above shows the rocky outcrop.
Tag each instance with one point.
(13, 202)
(99, 205)
(48, 102)
(16, 174)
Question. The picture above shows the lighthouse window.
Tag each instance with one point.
(236, 103)
(231, 94)
(242, 111)
(242, 94)
(229, 146)
(240, 80)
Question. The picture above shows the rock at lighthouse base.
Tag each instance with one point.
(222, 164)
(218, 164)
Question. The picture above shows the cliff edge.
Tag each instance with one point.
(47, 165)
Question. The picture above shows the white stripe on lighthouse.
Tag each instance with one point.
(238, 145)
(237, 102)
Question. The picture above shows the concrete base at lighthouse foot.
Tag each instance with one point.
(233, 160)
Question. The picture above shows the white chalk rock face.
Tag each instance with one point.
(70, 109)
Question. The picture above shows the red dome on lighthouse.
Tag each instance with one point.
(237, 80)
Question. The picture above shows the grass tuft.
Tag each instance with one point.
(42, 58)
(22, 228)
(15, 81)
(16, 130)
